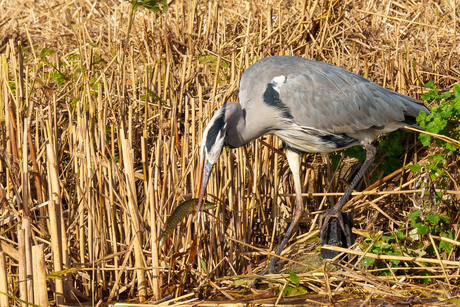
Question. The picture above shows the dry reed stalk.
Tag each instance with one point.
(22, 267)
(155, 253)
(440, 261)
(39, 276)
(135, 218)
(10, 251)
(55, 221)
(3, 280)
(28, 254)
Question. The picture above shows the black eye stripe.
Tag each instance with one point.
(214, 130)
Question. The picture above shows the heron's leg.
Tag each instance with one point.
(336, 211)
(294, 164)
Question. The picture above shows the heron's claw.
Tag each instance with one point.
(325, 219)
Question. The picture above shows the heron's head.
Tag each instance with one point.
(212, 143)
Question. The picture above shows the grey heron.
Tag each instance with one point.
(313, 107)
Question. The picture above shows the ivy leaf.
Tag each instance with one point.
(415, 223)
(456, 90)
(415, 168)
(456, 103)
(425, 139)
(437, 158)
(445, 95)
(446, 246)
(423, 230)
(421, 116)
(400, 235)
(414, 214)
(430, 95)
(357, 152)
(433, 218)
(445, 220)
(367, 261)
(451, 148)
(429, 84)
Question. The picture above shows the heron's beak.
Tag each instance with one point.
(205, 174)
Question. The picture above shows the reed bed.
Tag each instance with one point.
(100, 141)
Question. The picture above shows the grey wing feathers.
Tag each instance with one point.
(333, 99)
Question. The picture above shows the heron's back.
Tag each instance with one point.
(324, 97)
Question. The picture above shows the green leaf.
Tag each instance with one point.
(437, 158)
(357, 152)
(387, 239)
(451, 148)
(423, 230)
(429, 84)
(288, 290)
(13, 87)
(46, 51)
(446, 246)
(425, 139)
(18, 299)
(400, 235)
(395, 262)
(414, 214)
(415, 168)
(433, 218)
(456, 88)
(203, 265)
(156, 6)
(445, 95)
(430, 95)
(294, 278)
(335, 159)
(99, 60)
(445, 219)
(421, 116)
(456, 103)
(240, 282)
(367, 261)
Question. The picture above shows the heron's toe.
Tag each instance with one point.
(333, 233)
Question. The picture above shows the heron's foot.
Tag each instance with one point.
(269, 270)
(328, 225)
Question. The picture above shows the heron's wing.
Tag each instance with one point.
(338, 101)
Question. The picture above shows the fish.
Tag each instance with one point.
(182, 210)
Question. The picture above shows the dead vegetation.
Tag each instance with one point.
(111, 134)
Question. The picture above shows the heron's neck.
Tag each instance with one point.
(238, 133)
